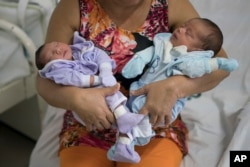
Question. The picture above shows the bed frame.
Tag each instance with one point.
(21, 107)
(24, 87)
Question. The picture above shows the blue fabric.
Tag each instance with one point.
(163, 61)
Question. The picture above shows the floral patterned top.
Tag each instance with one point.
(121, 45)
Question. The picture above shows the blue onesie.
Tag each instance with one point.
(163, 61)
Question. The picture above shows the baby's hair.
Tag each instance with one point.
(39, 62)
(214, 40)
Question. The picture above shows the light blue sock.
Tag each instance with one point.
(227, 64)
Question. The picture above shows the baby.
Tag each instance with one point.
(78, 65)
(189, 51)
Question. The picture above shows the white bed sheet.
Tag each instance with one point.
(218, 121)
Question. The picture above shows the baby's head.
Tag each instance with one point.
(52, 51)
(198, 34)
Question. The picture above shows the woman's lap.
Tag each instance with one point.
(46, 150)
(81, 148)
(75, 134)
(157, 152)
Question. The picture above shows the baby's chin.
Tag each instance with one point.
(173, 40)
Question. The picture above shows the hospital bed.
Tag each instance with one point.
(23, 26)
(218, 121)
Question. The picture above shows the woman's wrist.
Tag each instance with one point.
(173, 84)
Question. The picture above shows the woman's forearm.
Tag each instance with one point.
(60, 95)
(188, 86)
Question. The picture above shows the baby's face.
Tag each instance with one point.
(56, 50)
(189, 34)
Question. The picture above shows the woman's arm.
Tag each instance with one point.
(64, 21)
(159, 104)
(62, 25)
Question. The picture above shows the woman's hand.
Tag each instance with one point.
(91, 107)
(161, 97)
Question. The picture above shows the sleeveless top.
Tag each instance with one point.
(121, 45)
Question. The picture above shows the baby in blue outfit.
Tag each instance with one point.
(189, 51)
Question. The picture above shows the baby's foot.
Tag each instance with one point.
(126, 120)
(123, 151)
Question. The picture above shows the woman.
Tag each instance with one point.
(129, 25)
